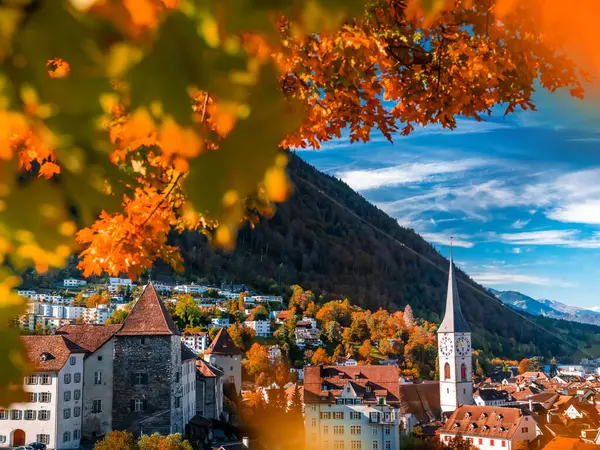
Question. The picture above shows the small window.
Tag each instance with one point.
(66, 436)
(43, 415)
(32, 397)
(76, 411)
(503, 443)
(76, 435)
(77, 394)
(72, 360)
(96, 406)
(45, 379)
(67, 413)
(524, 430)
(97, 377)
(16, 414)
(45, 397)
(491, 442)
(99, 358)
(67, 396)
(77, 378)
(2, 439)
(43, 438)
(31, 379)
(29, 414)
(480, 441)
(3, 414)
(67, 378)
(142, 341)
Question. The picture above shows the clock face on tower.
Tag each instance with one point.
(462, 345)
(446, 346)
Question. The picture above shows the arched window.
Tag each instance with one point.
(463, 372)
(446, 371)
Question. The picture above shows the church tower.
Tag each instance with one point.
(454, 352)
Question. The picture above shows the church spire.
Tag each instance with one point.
(454, 321)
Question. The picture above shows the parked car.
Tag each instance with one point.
(37, 446)
(25, 447)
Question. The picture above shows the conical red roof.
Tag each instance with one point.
(148, 317)
(223, 345)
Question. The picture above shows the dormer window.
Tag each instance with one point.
(468, 414)
(45, 356)
(500, 417)
(485, 428)
(484, 416)
(456, 425)
(368, 388)
(324, 387)
(472, 426)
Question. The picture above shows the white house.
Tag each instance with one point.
(492, 397)
(114, 283)
(197, 342)
(73, 282)
(268, 298)
(53, 413)
(219, 322)
(352, 407)
(489, 427)
(97, 375)
(261, 327)
(25, 293)
(578, 371)
(73, 312)
(224, 354)
(190, 289)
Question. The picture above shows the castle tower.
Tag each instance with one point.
(454, 352)
(224, 354)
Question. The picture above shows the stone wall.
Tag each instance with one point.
(157, 357)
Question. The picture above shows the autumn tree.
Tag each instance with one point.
(257, 360)
(260, 313)
(366, 351)
(117, 440)
(111, 152)
(320, 357)
(524, 365)
(242, 336)
(160, 442)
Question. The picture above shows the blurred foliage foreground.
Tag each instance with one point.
(123, 120)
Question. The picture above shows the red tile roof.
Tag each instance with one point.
(487, 421)
(207, 370)
(49, 353)
(222, 345)
(148, 317)
(367, 381)
(422, 400)
(88, 336)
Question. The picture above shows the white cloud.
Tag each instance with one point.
(463, 126)
(566, 238)
(458, 240)
(520, 223)
(516, 250)
(587, 211)
(403, 174)
(594, 308)
(500, 278)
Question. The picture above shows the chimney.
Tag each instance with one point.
(246, 441)
(531, 405)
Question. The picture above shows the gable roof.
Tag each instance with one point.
(454, 321)
(368, 382)
(223, 345)
(208, 370)
(421, 400)
(186, 353)
(488, 421)
(88, 336)
(55, 348)
(148, 317)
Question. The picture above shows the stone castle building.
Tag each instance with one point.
(224, 354)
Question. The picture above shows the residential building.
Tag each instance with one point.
(53, 413)
(148, 371)
(73, 282)
(261, 327)
(267, 298)
(209, 390)
(219, 322)
(573, 370)
(454, 352)
(224, 354)
(420, 404)
(307, 337)
(25, 293)
(97, 375)
(73, 312)
(352, 407)
(189, 289)
(114, 283)
(197, 342)
(490, 427)
(492, 397)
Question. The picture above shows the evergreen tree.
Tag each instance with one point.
(409, 318)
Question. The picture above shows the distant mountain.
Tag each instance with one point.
(547, 308)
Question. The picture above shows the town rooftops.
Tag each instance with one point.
(148, 317)
(223, 345)
(421, 400)
(323, 384)
(49, 353)
(485, 421)
(88, 336)
(488, 395)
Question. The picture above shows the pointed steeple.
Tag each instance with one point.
(454, 321)
(223, 345)
(148, 317)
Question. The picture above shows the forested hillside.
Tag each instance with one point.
(313, 242)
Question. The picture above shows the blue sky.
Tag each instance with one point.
(520, 194)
